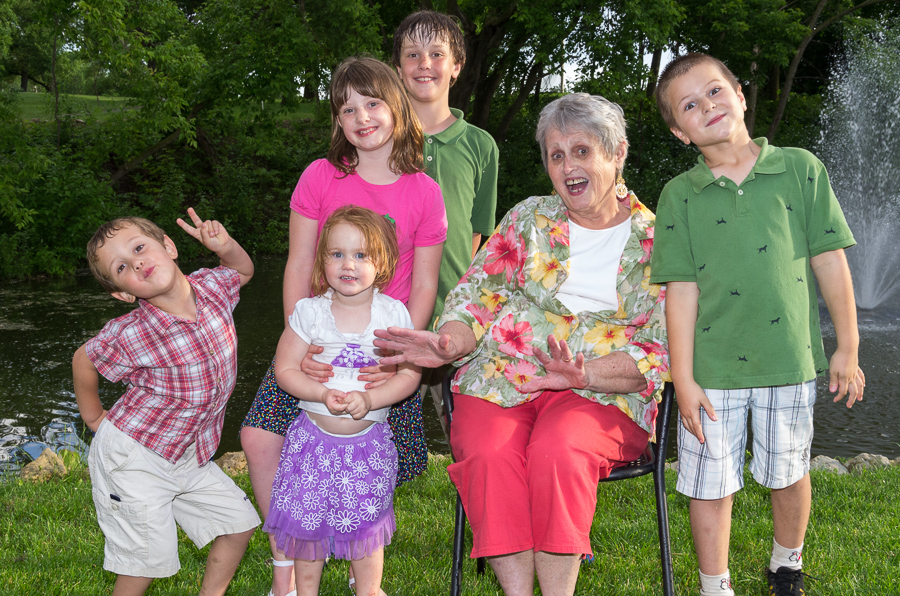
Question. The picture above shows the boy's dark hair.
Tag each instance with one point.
(426, 25)
(381, 245)
(108, 230)
(373, 78)
(681, 65)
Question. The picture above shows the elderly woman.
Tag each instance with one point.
(561, 347)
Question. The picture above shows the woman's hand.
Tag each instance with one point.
(376, 376)
(564, 370)
(422, 348)
(317, 371)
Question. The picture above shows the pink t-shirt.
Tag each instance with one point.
(414, 202)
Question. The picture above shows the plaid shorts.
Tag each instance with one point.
(782, 423)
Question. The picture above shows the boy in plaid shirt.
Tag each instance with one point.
(150, 461)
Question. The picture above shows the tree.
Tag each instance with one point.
(817, 21)
(190, 63)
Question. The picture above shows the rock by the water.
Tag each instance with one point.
(47, 466)
(867, 461)
(829, 464)
(233, 463)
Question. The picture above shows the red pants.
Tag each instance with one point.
(528, 475)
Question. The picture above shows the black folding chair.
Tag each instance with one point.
(653, 461)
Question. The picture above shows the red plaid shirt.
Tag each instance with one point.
(179, 373)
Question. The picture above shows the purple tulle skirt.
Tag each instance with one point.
(333, 494)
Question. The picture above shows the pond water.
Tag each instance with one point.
(43, 322)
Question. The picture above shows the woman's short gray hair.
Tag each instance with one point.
(583, 112)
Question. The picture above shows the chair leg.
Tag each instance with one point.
(459, 534)
(662, 520)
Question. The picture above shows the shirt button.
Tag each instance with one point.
(429, 140)
(740, 192)
(722, 183)
(429, 158)
(212, 352)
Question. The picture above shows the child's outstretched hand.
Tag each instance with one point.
(358, 404)
(212, 234)
(335, 401)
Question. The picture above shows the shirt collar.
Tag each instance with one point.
(769, 161)
(452, 133)
(642, 219)
(160, 320)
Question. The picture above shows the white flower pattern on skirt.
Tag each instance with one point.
(329, 488)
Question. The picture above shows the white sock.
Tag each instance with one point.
(716, 585)
(792, 558)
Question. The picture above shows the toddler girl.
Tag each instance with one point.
(333, 492)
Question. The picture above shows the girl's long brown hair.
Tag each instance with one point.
(373, 78)
(381, 245)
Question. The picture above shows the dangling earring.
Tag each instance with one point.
(621, 189)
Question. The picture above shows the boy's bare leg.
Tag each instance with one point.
(790, 512)
(129, 585)
(557, 573)
(263, 451)
(308, 574)
(711, 529)
(368, 572)
(224, 556)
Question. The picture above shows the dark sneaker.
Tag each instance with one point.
(786, 582)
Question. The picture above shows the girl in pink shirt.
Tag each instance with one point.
(374, 161)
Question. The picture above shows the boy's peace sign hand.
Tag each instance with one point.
(212, 234)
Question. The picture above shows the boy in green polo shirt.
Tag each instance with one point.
(738, 240)
(429, 53)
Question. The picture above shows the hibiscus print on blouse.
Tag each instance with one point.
(606, 337)
(556, 231)
(513, 338)
(546, 267)
(520, 372)
(492, 300)
(504, 254)
(564, 324)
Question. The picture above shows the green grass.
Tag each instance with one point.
(50, 543)
(40, 106)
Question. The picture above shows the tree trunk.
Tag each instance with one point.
(751, 96)
(55, 87)
(773, 83)
(655, 61)
(23, 81)
(533, 78)
(795, 62)
(151, 151)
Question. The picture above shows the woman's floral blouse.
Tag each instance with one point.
(508, 298)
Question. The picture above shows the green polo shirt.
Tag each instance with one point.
(748, 248)
(463, 160)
